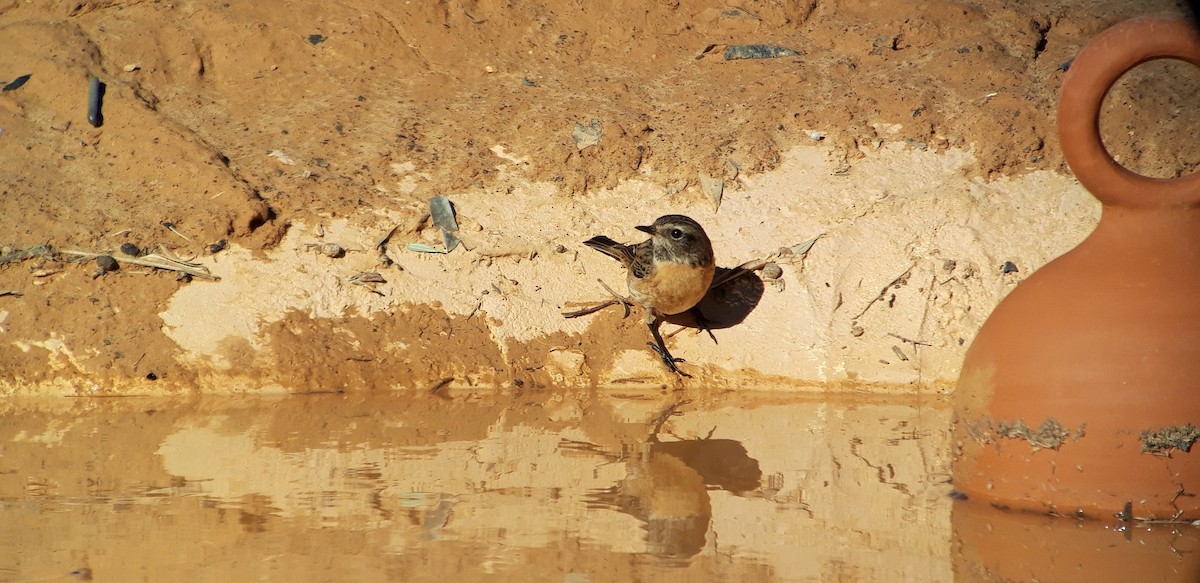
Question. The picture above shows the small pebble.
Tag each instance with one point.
(772, 271)
(130, 249)
(1009, 267)
(152, 377)
(218, 247)
(333, 250)
(560, 248)
(856, 330)
(106, 263)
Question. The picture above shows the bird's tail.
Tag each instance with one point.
(618, 251)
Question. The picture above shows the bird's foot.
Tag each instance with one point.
(668, 359)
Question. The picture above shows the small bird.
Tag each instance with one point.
(668, 274)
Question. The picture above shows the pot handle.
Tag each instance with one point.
(1098, 66)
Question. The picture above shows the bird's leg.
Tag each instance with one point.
(661, 347)
(699, 322)
(703, 323)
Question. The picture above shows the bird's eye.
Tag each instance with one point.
(676, 234)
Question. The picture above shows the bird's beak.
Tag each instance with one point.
(645, 229)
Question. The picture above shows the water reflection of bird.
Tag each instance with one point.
(667, 487)
(671, 498)
(668, 274)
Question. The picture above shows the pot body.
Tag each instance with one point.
(1081, 392)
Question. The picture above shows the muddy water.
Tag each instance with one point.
(576, 487)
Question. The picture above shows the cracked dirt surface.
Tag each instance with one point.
(919, 146)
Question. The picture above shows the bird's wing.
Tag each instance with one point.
(642, 263)
(618, 251)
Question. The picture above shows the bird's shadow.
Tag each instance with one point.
(726, 304)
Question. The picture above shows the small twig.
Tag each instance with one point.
(913, 342)
(883, 292)
(624, 302)
(590, 309)
(617, 299)
(171, 227)
(418, 225)
(438, 386)
(382, 241)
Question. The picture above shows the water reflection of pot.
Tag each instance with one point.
(991, 545)
(1082, 391)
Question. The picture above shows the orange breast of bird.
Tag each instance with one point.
(672, 288)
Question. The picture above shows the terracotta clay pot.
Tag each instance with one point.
(1082, 391)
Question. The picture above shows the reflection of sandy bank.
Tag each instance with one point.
(830, 486)
(513, 472)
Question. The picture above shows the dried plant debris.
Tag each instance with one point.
(9, 254)
(282, 157)
(369, 280)
(161, 260)
(1051, 434)
(1161, 442)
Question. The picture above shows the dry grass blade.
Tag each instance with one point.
(154, 260)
